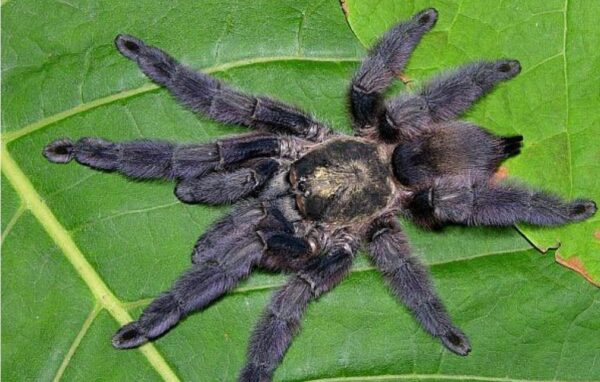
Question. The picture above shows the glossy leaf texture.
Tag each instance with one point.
(83, 252)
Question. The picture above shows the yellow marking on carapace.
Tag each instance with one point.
(326, 181)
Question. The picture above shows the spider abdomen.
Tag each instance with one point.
(342, 180)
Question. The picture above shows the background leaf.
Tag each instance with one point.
(84, 251)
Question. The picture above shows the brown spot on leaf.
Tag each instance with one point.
(344, 7)
(575, 264)
(597, 235)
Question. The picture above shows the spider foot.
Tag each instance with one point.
(129, 336)
(155, 63)
(507, 69)
(129, 46)
(427, 18)
(59, 151)
(511, 146)
(582, 209)
(456, 341)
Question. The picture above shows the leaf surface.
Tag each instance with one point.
(84, 251)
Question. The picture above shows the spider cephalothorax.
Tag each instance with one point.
(312, 197)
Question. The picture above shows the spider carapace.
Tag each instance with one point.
(308, 197)
(343, 180)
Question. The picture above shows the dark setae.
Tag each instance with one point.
(312, 197)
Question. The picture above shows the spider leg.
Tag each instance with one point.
(209, 96)
(243, 224)
(409, 281)
(227, 187)
(460, 200)
(509, 204)
(283, 249)
(281, 320)
(384, 63)
(445, 97)
(194, 290)
(222, 257)
(147, 159)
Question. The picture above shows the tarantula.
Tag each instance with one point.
(312, 196)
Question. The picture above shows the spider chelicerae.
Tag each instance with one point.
(309, 197)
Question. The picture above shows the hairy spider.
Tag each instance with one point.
(312, 196)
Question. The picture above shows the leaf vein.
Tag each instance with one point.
(567, 100)
(84, 329)
(13, 220)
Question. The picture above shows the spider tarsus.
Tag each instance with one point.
(427, 17)
(512, 67)
(129, 46)
(155, 63)
(457, 342)
(59, 151)
(582, 209)
(508, 69)
(129, 336)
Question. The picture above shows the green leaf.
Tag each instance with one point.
(553, 103)
(84, 251)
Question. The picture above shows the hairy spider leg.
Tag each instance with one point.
(507, 204)
(268, 221)
(222, 257)
(194, 290)
(154, 159)
(227, 187)
(207, 95)
(224, 171)
(409, 281)
(481, 202)
(281, 319)
(444, 98)
(383, 64)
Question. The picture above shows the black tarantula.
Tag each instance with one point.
(312, 196)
